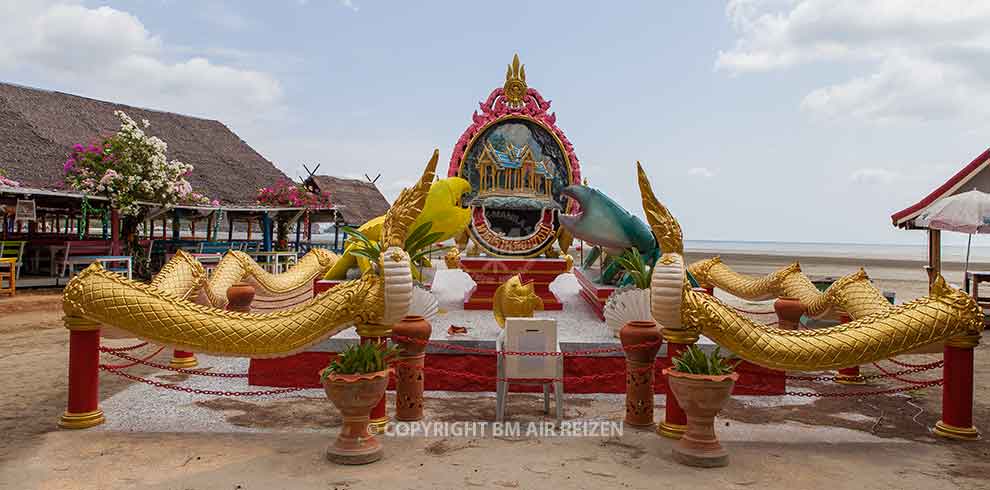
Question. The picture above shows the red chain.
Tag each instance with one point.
(123, 349)
(134, 362)
(478, 350)
(920, 368)
(905, 364)
(852, 393)
(897, 377)
(195, 372)
(169, 386)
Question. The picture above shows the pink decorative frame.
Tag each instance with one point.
(495, 107)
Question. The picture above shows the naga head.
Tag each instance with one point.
(515, 299)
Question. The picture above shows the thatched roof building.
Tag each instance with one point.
(38, 128)
(356, 201)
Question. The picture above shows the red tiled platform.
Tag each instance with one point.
(595, 294)
(489, 273)
(302, 370)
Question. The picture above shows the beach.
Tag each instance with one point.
(279, 442)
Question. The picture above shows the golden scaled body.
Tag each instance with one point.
(947, 314)
(160, 312)
(515, 299)
(853, 294)
(236, 266)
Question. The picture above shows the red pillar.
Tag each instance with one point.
(849, 375)
(114, 232)
(957, 392)
(674, 423)
(83, 407)
(640, 369)
(183, 360)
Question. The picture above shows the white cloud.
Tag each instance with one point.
(917, 60)
(703, 172)
(349, 4)
(107, 53)
(871, 175)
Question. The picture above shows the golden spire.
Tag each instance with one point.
(515, 83)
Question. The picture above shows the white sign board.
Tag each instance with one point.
(25, 210)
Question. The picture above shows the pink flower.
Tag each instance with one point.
(69, 165)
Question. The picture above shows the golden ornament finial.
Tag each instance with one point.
(665, 227)
(408, 206)
(515, 83)
(515, 299)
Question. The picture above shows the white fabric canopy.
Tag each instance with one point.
(968, 212)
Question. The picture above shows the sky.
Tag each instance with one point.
(769, 120)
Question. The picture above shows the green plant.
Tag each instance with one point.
(417, 245)
(361, 359)
(693, 360)
(632, 262)
(364, 246)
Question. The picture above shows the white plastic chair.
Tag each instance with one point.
(529, 335)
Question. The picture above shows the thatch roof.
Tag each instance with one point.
(38, 128)
(357, 201)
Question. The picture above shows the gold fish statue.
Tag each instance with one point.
(515, 299)
(453, 258)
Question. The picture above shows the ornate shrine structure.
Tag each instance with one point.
(517, 161)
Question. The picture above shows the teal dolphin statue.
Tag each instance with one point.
(605, 224)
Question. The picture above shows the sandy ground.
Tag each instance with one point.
(775, 442)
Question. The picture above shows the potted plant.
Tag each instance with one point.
(630, 303)
(702, 384)
(418, 245)
(355, 381)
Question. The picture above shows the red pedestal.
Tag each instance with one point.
(595, 294)
(83, 407)
(957, 395)
(675, 420)
(183, 360)
(490, 273)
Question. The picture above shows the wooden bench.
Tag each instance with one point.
(85, 252)
(11, 249)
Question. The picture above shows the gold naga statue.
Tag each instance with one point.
(165, 311)
(515, 299)
(879, 330)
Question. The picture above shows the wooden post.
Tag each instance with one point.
(266, 230)
(934, 255)
(114, 232)
(176, 224)
(249, 222)
(230, 228)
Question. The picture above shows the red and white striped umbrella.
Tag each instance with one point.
(967, 212)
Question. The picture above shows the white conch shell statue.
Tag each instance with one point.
(625, 305)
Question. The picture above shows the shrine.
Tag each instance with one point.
(518, 162)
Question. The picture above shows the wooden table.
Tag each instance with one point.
(973, 280)
(271, 262)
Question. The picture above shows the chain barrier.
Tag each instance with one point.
(567, 379)
(197, 391)
(885, 374)
(122, 349)
(906, 364)
(479, 350)
(850, 394)
(897, 376)
(191, 372)
(135, 361)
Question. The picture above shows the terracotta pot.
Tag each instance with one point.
(355, 395)
(409, 370)
(789, 312)
(637, 332)
(701, 397)
(240, 296)
(640, 370)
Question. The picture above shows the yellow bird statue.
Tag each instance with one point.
(443, 209)
(515, 299)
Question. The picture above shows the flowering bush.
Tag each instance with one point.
(130, 166)
(4, 180)
(290, 194)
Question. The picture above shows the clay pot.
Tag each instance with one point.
(240, 296)
(701, 397)
(355, 395)
(409, 370)
(639, 370)
(638, 332)
(789, 312)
